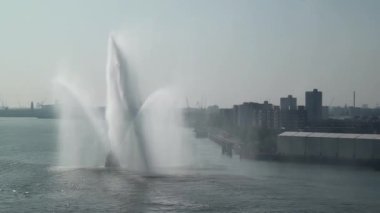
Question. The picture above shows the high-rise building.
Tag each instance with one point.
(301, 117)
(266, 115)
(276, 117)
(289, 113)
(247, 114)
(313, 105)
(289, 120)
(255, 115)
(288, 103)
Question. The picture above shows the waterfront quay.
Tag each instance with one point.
(43, 111)
(310, 147)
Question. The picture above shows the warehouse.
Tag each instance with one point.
(292, 143)
(339, 146)
(346, 149)
(329, 146)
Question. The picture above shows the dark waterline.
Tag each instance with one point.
(31, 181)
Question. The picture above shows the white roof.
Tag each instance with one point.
(331, 135)
(296, 134)
(369, 136)
(287, 133)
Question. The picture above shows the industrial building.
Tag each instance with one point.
(329, 146)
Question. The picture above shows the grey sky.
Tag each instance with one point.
(225, 52)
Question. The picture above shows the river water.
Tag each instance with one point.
(31, 181)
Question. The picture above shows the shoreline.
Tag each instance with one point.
(230, 146)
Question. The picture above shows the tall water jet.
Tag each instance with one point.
(123, 106)
(138, 135)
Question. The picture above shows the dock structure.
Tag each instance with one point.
(227, 144)
(329, 146)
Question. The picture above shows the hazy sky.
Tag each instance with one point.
(221, 52)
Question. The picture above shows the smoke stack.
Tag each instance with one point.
(354, 99)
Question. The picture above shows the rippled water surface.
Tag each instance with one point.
(31, 181)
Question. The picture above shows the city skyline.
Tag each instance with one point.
(293, 103)
(220, 52)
